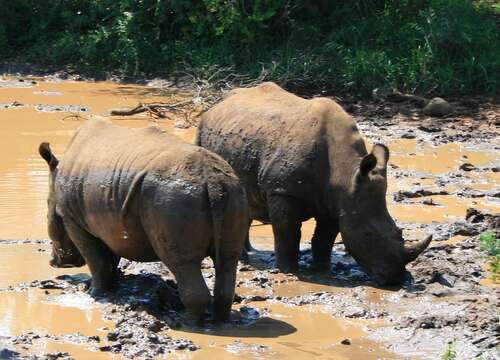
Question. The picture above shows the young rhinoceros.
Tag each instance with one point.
(145, 195)
(299, 159)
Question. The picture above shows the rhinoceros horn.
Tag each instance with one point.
(411, 252)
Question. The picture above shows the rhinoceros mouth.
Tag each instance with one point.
(393, 280)
(69, 264)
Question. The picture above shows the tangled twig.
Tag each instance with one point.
(206, 91)
(75, 116)
(158, 109)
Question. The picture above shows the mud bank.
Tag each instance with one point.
(444, 180)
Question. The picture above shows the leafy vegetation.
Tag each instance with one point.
(491, 245)
(450, 46)
(450, 353)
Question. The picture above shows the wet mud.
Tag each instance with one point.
(444, 180)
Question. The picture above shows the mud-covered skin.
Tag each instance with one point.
(299, 159)
(144, 195)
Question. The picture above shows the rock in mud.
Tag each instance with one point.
(438, 107)
(429, 128)
(467, 167)
(402, 195)
(476, 222)
(408, 135)
(443, 265)
(8, 354)
(430, 202)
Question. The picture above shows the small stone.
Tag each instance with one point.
(355, 312)
(467, 167)
(257, 298)
(429, 128)
(156, 326)
(438, 107)
(408, 135)
(429, 202)
(112, 336)
(9, 354)
(346, 342)
(237, 299)
(180, 124)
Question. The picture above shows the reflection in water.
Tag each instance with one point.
(31, 262)
(33, 310)
(22, 312)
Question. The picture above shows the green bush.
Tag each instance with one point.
(491, 245)
(450, 46)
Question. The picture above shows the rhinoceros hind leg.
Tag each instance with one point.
(322, 243)
(285, 217)
(247, 247)
(101, 261)
(193, 291)
(225, 279)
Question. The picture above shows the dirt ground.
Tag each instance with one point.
(444, 179)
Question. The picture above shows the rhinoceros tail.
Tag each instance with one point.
(224, 282)
(217, 198)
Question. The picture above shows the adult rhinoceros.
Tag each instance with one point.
(301, 159)
(145, 195)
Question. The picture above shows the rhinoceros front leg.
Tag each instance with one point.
(322, 243)
(101, 261)
(285, 212)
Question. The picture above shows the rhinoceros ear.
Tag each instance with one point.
(381, 152)
(377, 158)
(47, 155)
(367, 164)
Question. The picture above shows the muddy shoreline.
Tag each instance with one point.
(444, 180)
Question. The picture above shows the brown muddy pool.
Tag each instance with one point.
(43, 110)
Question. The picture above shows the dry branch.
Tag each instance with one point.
(206, 91)
(157, 108)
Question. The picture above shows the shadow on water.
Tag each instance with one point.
(263, 327)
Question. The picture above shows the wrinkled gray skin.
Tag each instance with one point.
(145, 195)
(300, 159)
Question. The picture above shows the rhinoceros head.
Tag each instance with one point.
(368, 231)
(64, 252)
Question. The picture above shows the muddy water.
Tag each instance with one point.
(30, 262)
(285, 332)
(23, 174)
(315, 334)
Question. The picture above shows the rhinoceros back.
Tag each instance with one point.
(275, 141)
(105, 165)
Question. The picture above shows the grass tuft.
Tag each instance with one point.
(450, 352)
(491, 245)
